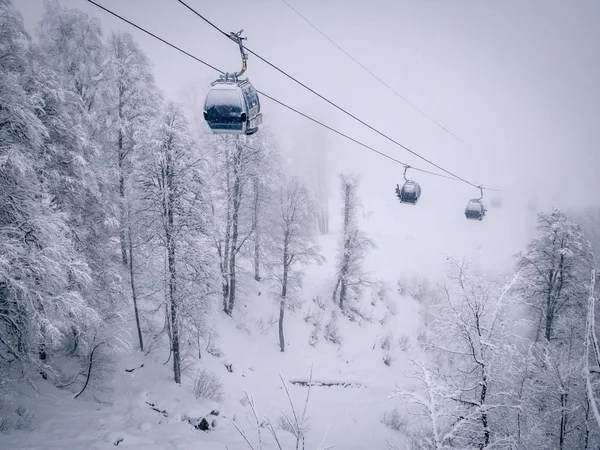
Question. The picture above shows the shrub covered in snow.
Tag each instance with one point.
(404, 343)
(332, 331)
(316, 319)
(417, 287)
(208, 386)
(393, 420)
(318, 300)
(387, 341)
(388, 358)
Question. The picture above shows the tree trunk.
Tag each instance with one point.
(343, 276)
(342, 282)
(538, 333)
(42, 353)
(323, 210)
(284, 281)
(227, 242)
(555, 285)
(586, 438)
(484, 416)
(133, 291)
(168, 203)
(255, 212)
(121, 162)
(343, 292)
(237, 200)
(549, 321)
(563, 421)
(122, 198)
(347, 243)
(335, 290)
(174, 317)
(281, 314)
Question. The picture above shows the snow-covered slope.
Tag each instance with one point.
(347, 415)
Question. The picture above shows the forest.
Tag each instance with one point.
(127, 228)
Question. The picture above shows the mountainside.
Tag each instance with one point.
(345, 406)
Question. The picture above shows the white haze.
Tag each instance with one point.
(517, 80)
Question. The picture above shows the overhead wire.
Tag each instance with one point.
(370, 72)
(291, 77)
(264, 94)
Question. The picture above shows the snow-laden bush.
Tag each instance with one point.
(332, 331)
(388, 358)
(404, 343)
(318, 300)
(22, 419)
(387, 341)
(393, 420)
(316, 319)
(418, 287)
(4, 423)
(208, 386)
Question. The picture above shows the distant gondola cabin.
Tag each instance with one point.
(410, 193)
(475, 210)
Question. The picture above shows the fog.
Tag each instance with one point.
(515, 80)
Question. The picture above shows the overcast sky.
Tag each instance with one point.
(516, 79)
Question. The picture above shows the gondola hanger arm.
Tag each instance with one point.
(239, 39)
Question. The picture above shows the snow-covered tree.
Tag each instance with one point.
(172, 187)
(466, 399)
(42, 273)
(589, 220)
(265, 174)
(591, 360)
(237, 164)
(131, 99)
(354, 247)
(555, 269)
(72, 43)
(292, 244)
(237, 182)
(555, 283)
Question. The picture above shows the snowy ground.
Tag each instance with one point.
(349, 417)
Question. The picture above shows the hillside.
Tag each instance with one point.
(348, 416)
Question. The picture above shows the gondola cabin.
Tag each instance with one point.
(410, 193)
(232, 107)
(475, 209)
